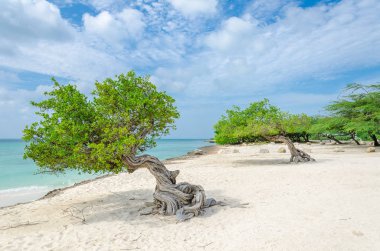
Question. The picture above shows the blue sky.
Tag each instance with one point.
(207, 54)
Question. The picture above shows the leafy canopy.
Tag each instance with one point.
(257, 122)
(329, 126)
(297, 126)
(124, 118)
(358, 110)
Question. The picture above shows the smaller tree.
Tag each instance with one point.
(232, 128)
(359, 107)
(298, 126)
(331, 127)
(260, 120)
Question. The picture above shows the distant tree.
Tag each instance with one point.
(107, 133)
(359, 109)
(232, 127)
(297, 126)
(260, 120)
(331, 128)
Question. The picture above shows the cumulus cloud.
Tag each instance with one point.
(127, 24)
(215, 61)
(35, 38)
(245, 56)
(30, 21)
(230, 35)
(38, 39)
(195, 7)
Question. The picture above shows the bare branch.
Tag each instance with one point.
(73, 211)
(28, 223)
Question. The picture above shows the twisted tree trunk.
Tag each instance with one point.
(183, 199)
(306, 137)
(297, 155)
(353, 137)
(331, 137)
(375, 141)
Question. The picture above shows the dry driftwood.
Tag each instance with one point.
(184, 200)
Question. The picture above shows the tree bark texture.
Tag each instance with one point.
(297, 155)
(331, 137)
(183, 199)
(375, 141)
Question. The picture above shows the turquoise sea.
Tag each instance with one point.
(19, 181)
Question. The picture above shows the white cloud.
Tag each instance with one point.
(245, 56)
(195, 7)
(41, 41)
(30, 21)
(231, 33)
(127, 24)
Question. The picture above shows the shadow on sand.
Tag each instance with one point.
(261, 162)
(127, 205)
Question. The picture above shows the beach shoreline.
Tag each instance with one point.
(270, 204)
(47, 192)
(206, 150)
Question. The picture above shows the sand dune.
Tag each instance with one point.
(332, 204)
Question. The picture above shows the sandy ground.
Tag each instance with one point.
(332, 204)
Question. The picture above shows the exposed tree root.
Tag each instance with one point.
(183, 199)
(297, 155)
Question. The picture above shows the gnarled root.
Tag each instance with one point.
(183, 199)
(300, 156)
(297, 155)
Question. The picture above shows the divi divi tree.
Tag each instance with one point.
(260, 121)
(108, 133)
(359, 109)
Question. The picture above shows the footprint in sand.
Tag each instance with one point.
(357, 233)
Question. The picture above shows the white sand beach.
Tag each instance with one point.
(331, 204)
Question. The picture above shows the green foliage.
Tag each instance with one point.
(328, 126)
(356, 113)
(359, 109)
(257, 122)
(297, 126)
(246, 125)
(124, 118)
